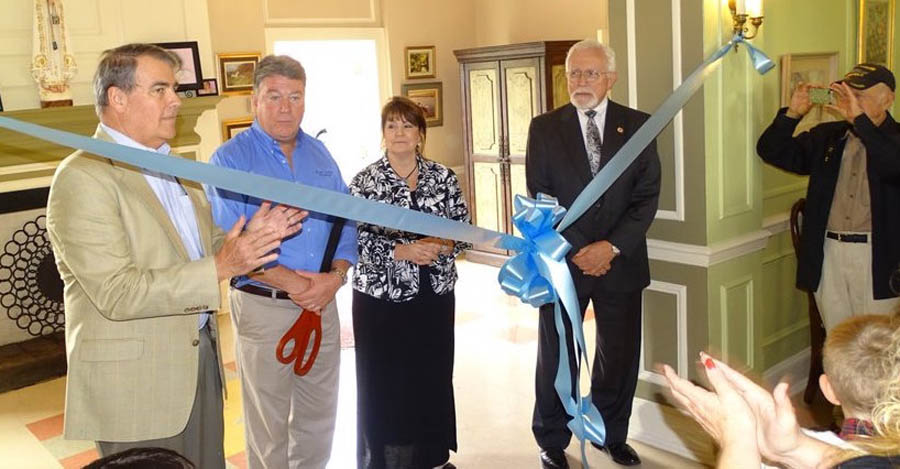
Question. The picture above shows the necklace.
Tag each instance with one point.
(408, 175)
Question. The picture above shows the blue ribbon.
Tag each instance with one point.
(654, 125)
(531, 275)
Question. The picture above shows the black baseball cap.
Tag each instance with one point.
(865, 76)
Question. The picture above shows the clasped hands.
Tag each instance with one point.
(846, 102)
(595, 259)
(252, 244)
(423, 251)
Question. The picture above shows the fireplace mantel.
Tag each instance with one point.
(28, 163)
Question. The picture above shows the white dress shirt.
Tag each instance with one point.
(173, 198)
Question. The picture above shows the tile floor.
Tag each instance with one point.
(494, 373)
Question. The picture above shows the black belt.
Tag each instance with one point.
(848, 238)
(261, 291)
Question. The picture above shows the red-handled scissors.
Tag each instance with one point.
(300, 333)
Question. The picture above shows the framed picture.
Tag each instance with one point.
(232, 127)
(236, 72)
(190, 77)
(420, 62)
(818, 69)
(429, 97)
(210, 88)
(875, 41)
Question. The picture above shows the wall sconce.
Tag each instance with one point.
(741, 11)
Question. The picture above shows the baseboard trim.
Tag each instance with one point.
(669, 429)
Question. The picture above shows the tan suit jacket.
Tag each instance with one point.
(132, 298)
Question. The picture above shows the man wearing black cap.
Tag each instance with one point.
(851, 226)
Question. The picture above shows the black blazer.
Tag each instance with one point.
(557, 165)
(818, 153)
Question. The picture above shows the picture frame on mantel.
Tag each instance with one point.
(236, 72)
(189, 76)
(420, 62)
(875, 38)
(429, 96)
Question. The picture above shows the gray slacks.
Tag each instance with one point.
(201, 441)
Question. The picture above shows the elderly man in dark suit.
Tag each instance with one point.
(608, 260)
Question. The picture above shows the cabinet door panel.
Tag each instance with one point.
(489, 206)
(517, 186)
(523, 100)
(484, 109)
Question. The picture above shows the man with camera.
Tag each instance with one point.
(851, 224)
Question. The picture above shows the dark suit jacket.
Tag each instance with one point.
(818, 153)
(557, 165)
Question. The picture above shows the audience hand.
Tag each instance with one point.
(418, 252)
(282, 219)
(243, 252)
(723, 413)
(595, 258)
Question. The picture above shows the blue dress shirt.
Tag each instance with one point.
(256, 152)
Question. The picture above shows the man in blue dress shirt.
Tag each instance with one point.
(289, 419)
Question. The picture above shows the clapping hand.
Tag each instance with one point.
(241, 252)
(283, 220)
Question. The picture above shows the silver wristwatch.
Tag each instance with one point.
(615, 250)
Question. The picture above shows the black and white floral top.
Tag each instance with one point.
(377, 273)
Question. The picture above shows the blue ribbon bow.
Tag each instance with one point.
(532, 275)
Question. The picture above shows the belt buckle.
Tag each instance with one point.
(273, 293)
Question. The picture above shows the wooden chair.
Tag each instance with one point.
(816, 329)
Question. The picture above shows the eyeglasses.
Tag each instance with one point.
(590, 76)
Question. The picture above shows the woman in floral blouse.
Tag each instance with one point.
(403, 305)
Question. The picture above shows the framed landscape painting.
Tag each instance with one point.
(236, 72)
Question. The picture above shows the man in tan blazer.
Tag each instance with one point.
(141, 260)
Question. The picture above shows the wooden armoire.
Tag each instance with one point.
(503, 87)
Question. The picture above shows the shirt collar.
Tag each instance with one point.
(600, 108)
(258, 131)
(127, 141)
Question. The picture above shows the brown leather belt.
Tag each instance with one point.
(261, 291)
(847, 238)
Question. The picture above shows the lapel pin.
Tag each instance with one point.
(620, 130)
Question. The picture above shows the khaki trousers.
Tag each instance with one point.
(288, 419)
(845, 288)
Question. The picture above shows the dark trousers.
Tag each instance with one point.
(614, 370)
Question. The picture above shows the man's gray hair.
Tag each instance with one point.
(281, 65)
(117, 66)
(593, 44)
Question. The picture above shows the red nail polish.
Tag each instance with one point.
(709, 363)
